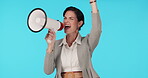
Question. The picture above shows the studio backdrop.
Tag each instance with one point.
(121, 53)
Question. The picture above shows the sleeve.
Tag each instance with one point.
(95, 33)
(49, 63)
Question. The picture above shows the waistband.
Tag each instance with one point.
(74, 74)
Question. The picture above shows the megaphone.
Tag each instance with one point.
(38, 20)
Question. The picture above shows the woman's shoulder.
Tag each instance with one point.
(58, 42)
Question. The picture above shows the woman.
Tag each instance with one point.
(71, 56)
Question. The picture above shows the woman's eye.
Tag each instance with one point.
(71, 18)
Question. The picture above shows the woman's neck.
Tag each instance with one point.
(70, 38)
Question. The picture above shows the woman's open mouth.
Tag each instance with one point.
(67, 27)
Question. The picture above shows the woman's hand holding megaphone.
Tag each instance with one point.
(50, 39)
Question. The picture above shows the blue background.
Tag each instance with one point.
(122, 51)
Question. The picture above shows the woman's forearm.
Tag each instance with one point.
(94, 7)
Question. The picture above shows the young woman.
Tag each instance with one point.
(71, 56)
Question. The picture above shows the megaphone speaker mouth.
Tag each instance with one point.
(37, 20)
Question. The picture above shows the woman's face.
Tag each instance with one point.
(71, 22)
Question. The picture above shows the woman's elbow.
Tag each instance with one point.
(48, 72)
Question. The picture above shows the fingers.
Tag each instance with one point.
(51, 31)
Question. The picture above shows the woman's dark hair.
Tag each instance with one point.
(78, 13)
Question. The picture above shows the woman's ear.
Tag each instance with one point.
(80, 24)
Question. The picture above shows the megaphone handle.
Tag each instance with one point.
(54, 30)
(49, 41)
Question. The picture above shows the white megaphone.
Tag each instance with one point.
(37, 20)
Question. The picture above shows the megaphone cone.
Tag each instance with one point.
(37, 21)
